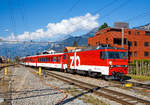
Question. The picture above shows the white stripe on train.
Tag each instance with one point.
(102, 69)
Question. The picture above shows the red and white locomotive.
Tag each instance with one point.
(109, 62)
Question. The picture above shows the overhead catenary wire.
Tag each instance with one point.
(75, 4)
(11, 16)
(115, 9)
(105, 6)
(71, 8)
(141, 15)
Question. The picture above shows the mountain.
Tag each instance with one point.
(144, 27)
(81, 40)
(24, 49)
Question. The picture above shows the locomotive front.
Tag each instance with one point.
(117, 61)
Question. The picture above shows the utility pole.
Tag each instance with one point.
(122, 38)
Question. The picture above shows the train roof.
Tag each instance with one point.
(44, 55)
(79, 50)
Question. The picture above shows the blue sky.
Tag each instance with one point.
(19, 16)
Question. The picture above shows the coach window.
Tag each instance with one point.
(54, 59)
(51, 59)
(57, 59)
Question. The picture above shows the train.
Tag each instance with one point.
(107, 62)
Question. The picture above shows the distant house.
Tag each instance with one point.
(70, 49)
(49, 52)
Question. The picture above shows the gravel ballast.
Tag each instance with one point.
(27, 88)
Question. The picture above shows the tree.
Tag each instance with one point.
(75, 44)
(16, 59)
(105, 25)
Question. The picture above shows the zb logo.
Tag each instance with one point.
(74, 60)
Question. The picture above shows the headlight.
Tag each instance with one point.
(110, 62)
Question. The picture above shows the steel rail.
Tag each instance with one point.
(101, 91)
(134, 84)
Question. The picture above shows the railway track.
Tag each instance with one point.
(141, 85)
(134, 84)
(101, 91)
(6, 65)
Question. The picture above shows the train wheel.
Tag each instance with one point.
(91, 74)
(65, 70)
(105, 77)
(71, 71)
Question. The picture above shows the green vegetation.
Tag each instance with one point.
(139, 77)
(142, 60)
(105, 25)
(75, 44)
(140, 67)
(16, 59)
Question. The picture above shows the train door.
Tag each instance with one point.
(68, 64)
(62, 62)
(36, 61)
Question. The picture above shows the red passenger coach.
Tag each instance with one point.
(109, 62)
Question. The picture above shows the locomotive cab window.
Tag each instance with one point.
(113, 55)
(103, 55)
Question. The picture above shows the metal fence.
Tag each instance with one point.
(140, 68)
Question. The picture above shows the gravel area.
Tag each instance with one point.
(28, 89)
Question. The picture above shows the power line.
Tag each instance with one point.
(141, 15)
(105, 6)
(115, 9)
(12, 18)
(70, 9)
(22, 11)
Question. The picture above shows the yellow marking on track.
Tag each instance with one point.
(128, 85)
(6, 71)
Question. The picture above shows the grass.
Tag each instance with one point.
(139, 77)
(85, 98)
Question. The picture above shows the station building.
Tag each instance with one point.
(136, 41)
